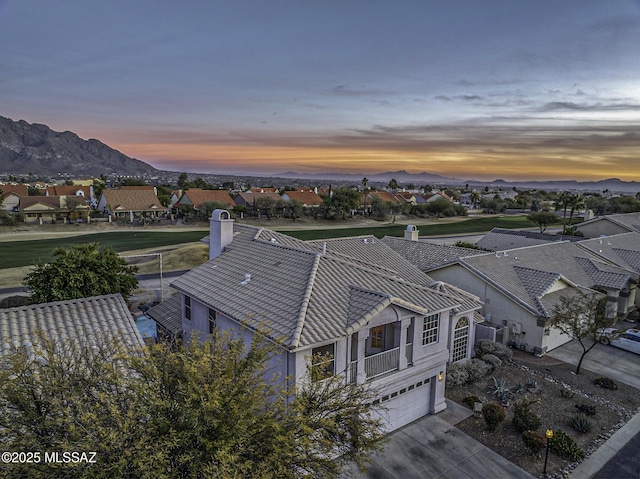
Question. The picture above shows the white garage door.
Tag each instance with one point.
(407, 404)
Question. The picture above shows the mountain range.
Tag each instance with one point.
(36, 149)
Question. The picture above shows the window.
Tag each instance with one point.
(460, 340)
(322, 362)
(212, 321)
(376, 337)
(187, 308)
(430, 329)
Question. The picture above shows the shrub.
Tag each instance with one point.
(564, 446)
(457, 374)
(469, 401)
(477, 369)
(606, 383)
(491, 347)
(500, 389)
(581, 422)
(492, 359)
(493, 414)
(524, 419)
(565, 393)
(534, 440)
(586, 409)
(14, 301)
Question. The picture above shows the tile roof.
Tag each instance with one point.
(303, 296)
(196, 196)
(622, 249)
(499, 239)
(132, 199)
(18, 190)
(630, 221)
(306, 197)
(526, 274)
(66, 190)
(168, 314)
(425, 254)
(249, 198)
(76, 320)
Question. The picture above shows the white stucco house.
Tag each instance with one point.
(610, 225)
(381, 319)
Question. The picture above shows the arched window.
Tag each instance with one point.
(460, 340)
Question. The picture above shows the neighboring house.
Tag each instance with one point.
(407, 197)
(622, 250)
(520, 287)
(378, 318)
(499, 239)
(175, 196)
(195, 197)
(610, 225)
(264, 190)
(131, 202)
(11, 196)
(84, 192)
(53, 208)
(168, 318)
(430, 197)
(248, 199)
(307, 198)
(83, 320)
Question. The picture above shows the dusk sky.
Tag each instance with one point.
(471, 89)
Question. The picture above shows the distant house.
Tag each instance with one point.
(11, 196)
(131, 202)
(83, 320)
(622, 249)
(53, 208)
(195, 197)
(374, 317)
(610, 225)
(248, 199)
(407, 197)
(307, 198)
(84, 192)
(270, 189)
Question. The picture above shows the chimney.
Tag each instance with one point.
(411, 233)
(220, 232)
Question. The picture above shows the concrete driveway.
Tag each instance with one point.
(618, 364)
(432, 447)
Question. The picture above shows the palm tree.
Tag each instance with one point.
(576, 202)
(365, 182)
(393, 186)
(562, 202)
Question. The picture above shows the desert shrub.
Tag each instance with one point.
(564, 446)
(586, 409)
(457, 374)
(14, 301)
(534, 440)
(491, 347)
(492, 359)
(524, 419)
(606, 383)
(477, 369)
(581, 422)
(565, 393)
(500, 389)
(493, 414)
(469, 401)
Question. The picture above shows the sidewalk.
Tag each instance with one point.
(601, 456)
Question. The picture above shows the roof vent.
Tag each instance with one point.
(247, 278)
(273, 240)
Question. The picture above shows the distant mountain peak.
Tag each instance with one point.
(35, 148)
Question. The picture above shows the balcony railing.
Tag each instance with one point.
(382, 363)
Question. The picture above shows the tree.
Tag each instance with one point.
(82, 271)
(342, 202)
(265, 205)
(393, 186)
(208, 408)
(576, 202)
(543, 219)
(581, 317)
(562, 202)
(365, 183)
(182, 180)
(208, 207)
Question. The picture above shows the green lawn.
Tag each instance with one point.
(469, 226)
(25, 253)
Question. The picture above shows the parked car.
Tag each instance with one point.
(628, 340)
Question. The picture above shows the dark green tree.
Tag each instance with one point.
(543, 219)
(182, 180)
(79, 272)
(208, 408)
(342, 202)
